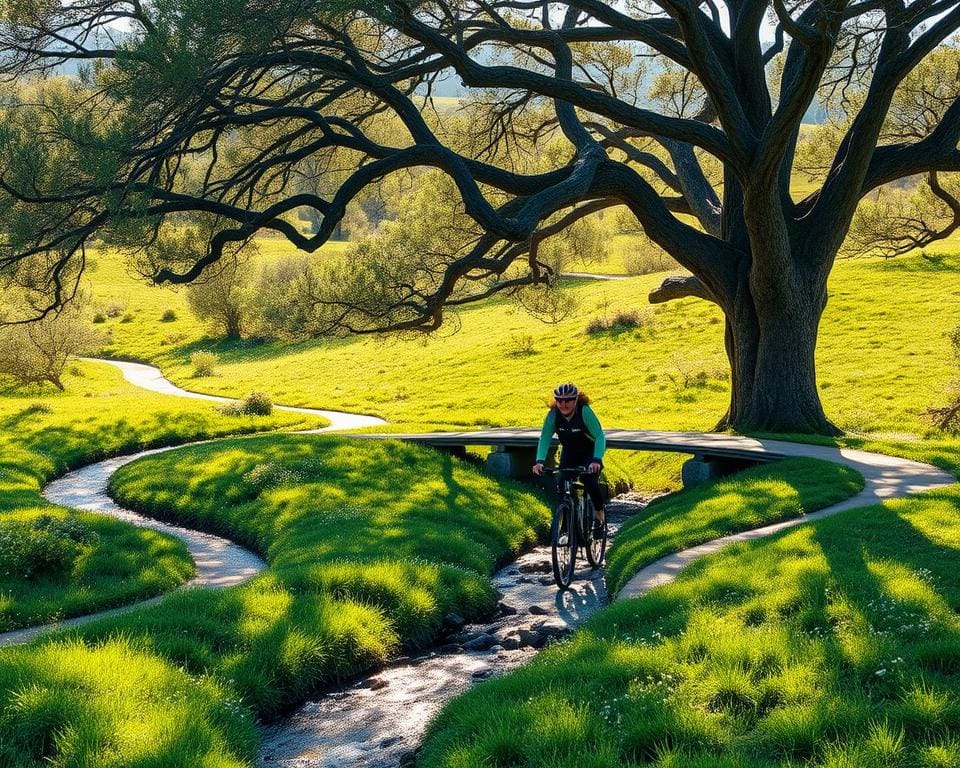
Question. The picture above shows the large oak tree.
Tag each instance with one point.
(200, 111)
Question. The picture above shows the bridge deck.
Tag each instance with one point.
(699, 444)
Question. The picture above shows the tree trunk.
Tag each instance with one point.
(771, 344)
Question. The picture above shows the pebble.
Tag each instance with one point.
(538, 610)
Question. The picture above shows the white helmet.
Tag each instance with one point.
(566, 391)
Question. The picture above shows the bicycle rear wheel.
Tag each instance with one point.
(563, 537)
(595, 547)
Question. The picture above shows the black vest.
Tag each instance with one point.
(574, 437)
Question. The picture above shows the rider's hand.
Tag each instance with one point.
(538, 468)
(593, 468)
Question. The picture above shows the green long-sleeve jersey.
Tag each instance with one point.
(582, 426)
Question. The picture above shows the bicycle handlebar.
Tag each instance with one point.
(559, 470)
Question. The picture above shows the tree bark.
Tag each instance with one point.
(771, 346)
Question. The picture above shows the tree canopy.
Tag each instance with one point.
(688, 113)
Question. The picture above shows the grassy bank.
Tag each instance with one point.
(369, 546)
(758, 496)
(833, 644)
(55, 563)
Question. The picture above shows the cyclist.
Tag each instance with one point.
(577, 428)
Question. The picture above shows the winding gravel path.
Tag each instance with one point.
(220, 563)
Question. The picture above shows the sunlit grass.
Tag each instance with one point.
(44, 433)
(115, 705)
(749, 499)
(882, 360)
(836, 643)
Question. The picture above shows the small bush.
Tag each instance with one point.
(254, 404)
(618, 322)
(204, 364)
(168, 316)
(127, 318)
(257, 404)
(520, 345)
(99, 317)
(48, 546)
(115, 309)
(947, 418)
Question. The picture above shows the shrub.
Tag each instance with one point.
(947, 418)
(127, 317)
(47, 546)
(99, 317)
(168, 316)
(115, 309)
(38, 352)
(204, 363)
(618, 322)
(254, 404)
(520, 345)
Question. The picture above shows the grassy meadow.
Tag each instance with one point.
(883, 358)
(54, 563)
(369, 546)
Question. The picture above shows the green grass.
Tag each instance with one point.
(833, 644)
(115, 705)
(882, 360)
(123, 563)
(757, 496)
(45, 433)
(369, 544)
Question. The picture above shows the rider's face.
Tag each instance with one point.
(566, 407)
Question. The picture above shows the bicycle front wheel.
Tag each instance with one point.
(563, 537)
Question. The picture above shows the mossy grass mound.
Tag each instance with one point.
(57, 564)
(832, 644)
(369, 544)
(757, 496)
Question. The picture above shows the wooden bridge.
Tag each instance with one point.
(713, 454)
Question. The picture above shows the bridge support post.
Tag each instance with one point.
(702, 468)
(511, 460)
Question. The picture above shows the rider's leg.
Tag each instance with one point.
(591, 483)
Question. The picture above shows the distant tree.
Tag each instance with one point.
(38, 352)
(253, 87)
(223, 297)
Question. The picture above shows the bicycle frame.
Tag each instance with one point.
(571, 527)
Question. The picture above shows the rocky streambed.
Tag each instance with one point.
(379, 721)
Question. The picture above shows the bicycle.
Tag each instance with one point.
(572, 526)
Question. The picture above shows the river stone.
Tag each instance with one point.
(536, 567)
(538, 610)
(449, 648)
(506, 610)
(529, 638)
(552, 628)
(510, 643)
(480, 643)
(454, 621)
